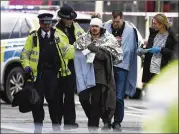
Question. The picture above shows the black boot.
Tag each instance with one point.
(116, 127)
(107, 126)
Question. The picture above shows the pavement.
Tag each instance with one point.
(12, 121)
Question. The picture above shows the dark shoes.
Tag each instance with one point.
(56, 127)
(71, 126)
(116, 127)
(92, 129)
(107, 126)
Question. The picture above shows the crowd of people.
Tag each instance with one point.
(101, 64)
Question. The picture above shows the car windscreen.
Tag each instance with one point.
(7, 24)
(54, 21)
(84, 23)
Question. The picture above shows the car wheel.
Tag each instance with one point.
(14, 83)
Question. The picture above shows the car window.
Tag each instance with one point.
(34, 23)
(54, 21)
(25, 29)
(7, 24)
(16, 30)
(83, 23)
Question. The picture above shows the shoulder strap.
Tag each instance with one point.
(34, 37)
(57, 40)
(33, 32)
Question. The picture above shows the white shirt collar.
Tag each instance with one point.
(43, 33)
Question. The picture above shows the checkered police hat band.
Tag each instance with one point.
(46, 18)
(47, 22)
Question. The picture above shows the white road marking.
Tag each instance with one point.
(136, 115)
(25, 130)
(137, 109)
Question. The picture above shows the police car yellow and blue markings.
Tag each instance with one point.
(9, 51)
(2, 53)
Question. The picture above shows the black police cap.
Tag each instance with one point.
(45, 18)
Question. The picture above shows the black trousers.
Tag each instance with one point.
(66, 102)
(46, 86)
(90, 100)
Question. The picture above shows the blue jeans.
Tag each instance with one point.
(120, 76)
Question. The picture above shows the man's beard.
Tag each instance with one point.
(94, 32)
(116, 27)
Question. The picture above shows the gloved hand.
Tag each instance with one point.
(92, 47)
(29, 73)
(141, 51)
(154, 50)
(28, 69)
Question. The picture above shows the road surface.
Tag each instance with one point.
(12, 121)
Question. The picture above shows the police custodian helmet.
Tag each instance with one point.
(67, 12)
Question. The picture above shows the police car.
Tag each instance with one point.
(15, 28)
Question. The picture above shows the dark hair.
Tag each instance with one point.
(116, 13)
(96, 15)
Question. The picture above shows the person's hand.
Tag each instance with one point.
(28, 69)
(92, 47)
(154, 50)
(141, 51)
(29, 73)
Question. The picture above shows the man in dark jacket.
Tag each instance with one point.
(125, 73)
(69, 31)
(102, 49)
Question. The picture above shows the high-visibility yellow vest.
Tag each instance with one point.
(78, 31)
(30, 53)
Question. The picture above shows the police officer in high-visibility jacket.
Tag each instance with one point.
(70, 31)
(46, 56)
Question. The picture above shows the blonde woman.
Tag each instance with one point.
(160, 47)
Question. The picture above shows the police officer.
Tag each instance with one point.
(43, 56)
(70, 31)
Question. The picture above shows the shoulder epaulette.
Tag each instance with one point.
(77, 25)
(32, 32)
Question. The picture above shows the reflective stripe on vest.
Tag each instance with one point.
(34, 60)
(34, 52)
(62, 51)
